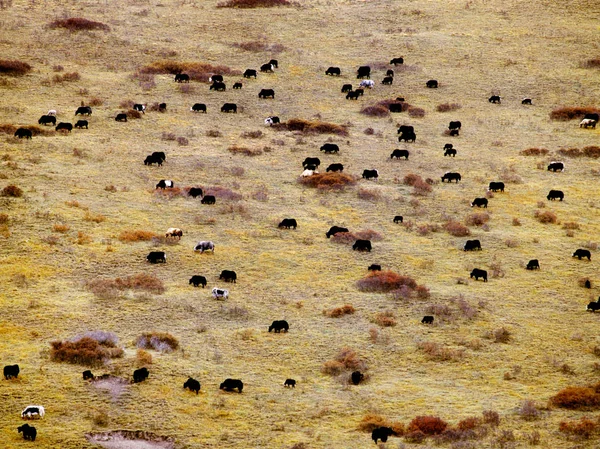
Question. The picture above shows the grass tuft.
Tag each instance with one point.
(248, 4)
(85, 351)
(159, 341)
(78, 24)
(346, 309)
(566, 113)
(311, 127)
(328, 181)
(14, 68)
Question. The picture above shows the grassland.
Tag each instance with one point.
(83, 190)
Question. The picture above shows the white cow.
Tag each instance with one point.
(588, 123)
(52, 112)
(307, 173)
(220, 293)
(205, 246)
(33, 411)
(369, 84)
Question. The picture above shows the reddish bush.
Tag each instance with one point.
(197, 71)
(346, 309)
(14, 68)
(78, 24)
(328, 181)
(222, 193)
(67, 77)
(347, 359)
(491, 417)
(384, 281)
(136, 236)
(234, 149)
(591, 151)
(577, 398)
(372, 421)
(534, 152)
(375, 111)
(429, 425)
(469, 423)
(545, 216)
(582, 428)
(110, 288)
(246, 4)
(477, 219)
(159, 341)
(447, 107)
(416, 112)
(311, 127)
(456, 229)
(85, 351)
(569, 112)
(592, 63)
(415, 436)
(12, 190)
(385, 319)
(133, 114)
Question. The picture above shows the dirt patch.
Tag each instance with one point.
(127, 439)
(113, 385)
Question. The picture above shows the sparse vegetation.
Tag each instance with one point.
(234, 149)
(546, 217)
(448, 107)
(12, 191)
(346, 309)
(78, 24)
(14, 68)
(572, 112)
(328, 181)
(247, 4)
(197, 71)
(311, 127)
(159, 341)
(112, 288)
(534, 152)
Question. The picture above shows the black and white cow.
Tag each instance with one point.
(399, 153)
(288, 223)
(33, 411)
(83, 110)
(334, 230)
(451, 176)
(157, 257)
(173, 233)
(581, 253)
(140, 108)
(205, 245)
(363, 72)
(330, 148)
(47, 120)
(477, 273)
(228, 276)
(273, 120)
(588, 123)
(335, 167)
(229, 107)
(267, 68)
(232, 384)
(198, 107)
(274, 63)
(140, 375)
(165, 183)
(367, 84)
(29, 432)
(333, 71)
(197, 280)
(362, 245)
(556, 166)
(472, 245)
(11, 371)
(480, 202)
(494, 99)
(249, 73)
(555, 194)
(192, 385)
(220, 293)
(279, 325)
(370, 174)
(533, 264)
(496, 186)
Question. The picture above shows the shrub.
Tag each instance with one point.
(582, 428)
(133, 114)
(136, 236)
(369, 194)
(84, 351)
(384, 281)
(246, 4)
(83, 238)
(375, 111)
(346, 309)
(429, 425)
(577, 398)
(332, 368)
(469, 423)
(252, 134)
(311, 127)
(78, 24)
(96, 218)
(569, 112)
(13, 191)
(501, 335)
(347, 359)
(369, 131)
(516, 222)
(592, 63)
(591, 151)
(448, 107)
(415, 436)
(571, 225)
(570, 152)
(456, 229)
(197, 71)
(234, 149)
(3, 218)
(416, 112)
(143, 358)
(438, 352)
(466, 309)
(534, 152)
(328, 181)
(477, 219)
(67, 77)
(95, 101)
(14, 68)
(372, 421)
(213, 133)
(222, 193)
(491, 417)
(545, 217)
(385, 319)
(61, 227)
(110, 288)
(529, 410)
(159, 341)
(260, 46)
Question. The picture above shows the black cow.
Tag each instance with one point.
(157, 257)
(592, 116)
(330, 148)
(216, 79)
(587, 284)
(480, 202)
(274, 63)
(335, 167)
(400, 99)
(122, 117)
(362, 245)
(496, 186)
(81, 124)
(228, 276)
(229, 107)
(406, 129)
(477, 273)
(397, 61)
(494, 99)
(140, 108)
(159, 154)
(472, 245)
(290, 383)
(249, 73)
(388, 80)
(427, 319)
(454, 125)
(311, 161)
(23, 132)
(267, 68)
(432, 84)
(29, 432)
(353, 95)
(182, 78)
(64, 125)
(162, 107)
(526, 101)
(279, 325)
(288, 223)
(363, 72)
(398, 219)
(407, 136)
(395, 107)
(334, 230)
(580, 253)
(219, 86)
(374, 267)
(11, 371)
(389, 72)
(192, 385)
(454, 132)
(450, 152)
(195, 191)
(232, 384)
(198, 107)
(333, 71)
(381, 433)
(593, 306)
(399, 153)
(140, 375)
(357, 377)
(83, 110)
(208, 199)
(237, 85)
(266, 93)
(359, 92)
(87, 374)
(346, 88)
(448, 146)
(197, 280)
(47, 120)
(164, 183)
(533, 264)
(152, 159)
(451, 176)
(556, 166)
(554, 194)
(370, 174)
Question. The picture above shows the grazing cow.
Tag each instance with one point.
(192, 385)
(140, 375)
(369, 84)
(388, 80)
(157, 257)
(374, 267)
(237, 85)
(290, 383)
(159, 154)
(400, 99)
(334, 230)
(454, 132)
(450, 152)
(288, 223)
(399, 153)
(307, 173)
(208, 199)
(29, 432)
(51, 112)
(362, 245)
(47, 120)
(232, 384)
(165, 183)
(396, 61)
(451, 176)
(406, 129)
(197, 280)
(398, 219)
(266, 93)
(219, 86)
(122, 117)
(472, 245)
(533, 264)
(198, 107)
(152, 159)
(427, 319)
(33, 411)
(273, 120)
(311, 161)
(279, 325)
(448, 146)
(195, 192)
(395, 107)
(220, 293)
(81, 124)
(23, 132)
(64, 125)
(216, 79)
(335, 167)
(174, 233)
(477, 273)
(587, 284)
(83, 110)
(228, 276)
(407, 136)
(381, 433)
(389, 72)
(182, 78)
(205, 245)
(274, 63)
(11, 371)
(229, 107)
(249, 73)
(526, 101)
(494, 99)
(496, 186)
(363, 72)
(593, 306)
(162, 107)
(432, 84)
(267, 68)
(330, 148)
(333, 71)
(588, 123)
(360, 92)
(140, 108)
(556, 166)
(454, 125)
(312, 168)
(580, 253)
(346, 88)
(480, 202)
(592, 116)
(357, 377)
(554, 194)
(87, 375)
(352, 95)
(370, 174)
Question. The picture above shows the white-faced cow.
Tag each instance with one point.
(165, 183)
(273, 120)
(205, 245)
(140, 108)
(32, 412)
(556, 166)
(220, 293)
